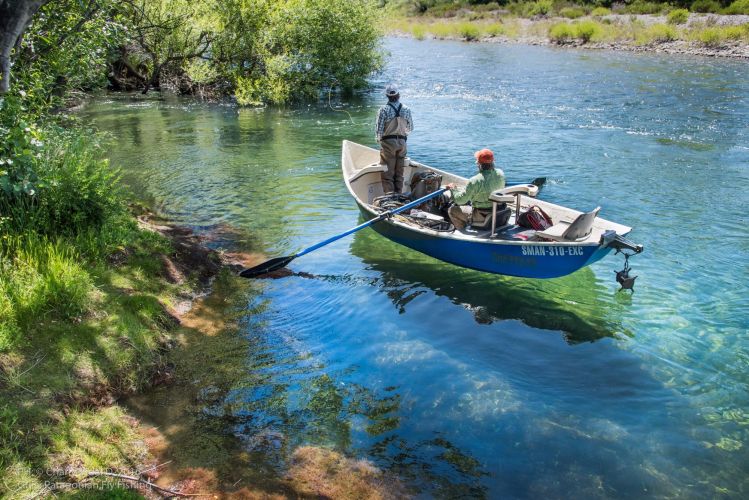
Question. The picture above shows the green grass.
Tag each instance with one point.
(656, 33)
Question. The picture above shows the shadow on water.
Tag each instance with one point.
(579, 305)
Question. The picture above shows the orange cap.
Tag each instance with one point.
(484, 156)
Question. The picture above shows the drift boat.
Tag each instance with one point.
(500, 246)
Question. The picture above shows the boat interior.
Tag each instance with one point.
(362, 171)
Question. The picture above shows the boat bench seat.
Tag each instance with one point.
(575, 230)
(374, 167)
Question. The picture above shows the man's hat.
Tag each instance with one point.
(484, 156)
(391, 90)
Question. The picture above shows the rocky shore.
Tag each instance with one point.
(535, 32)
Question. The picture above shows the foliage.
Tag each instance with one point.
(52, 180)
(678, 16)
(587, 30)
(600, 12)
(66, 47)
(738, 7)
(705, 6)
(468, 31)
(657, 33)
(716, 36)
(572, 12)
(644, 7)
(562, 32)
(318, 43)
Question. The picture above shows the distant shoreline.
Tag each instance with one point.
(703, 35)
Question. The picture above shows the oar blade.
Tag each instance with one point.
(266, 267)
(539, 181)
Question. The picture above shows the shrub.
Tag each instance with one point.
(657, 33)
(468, 31)
(639, 7)
(562, 32)
(678, 16)
(705, 6)
(600, 12)
(572, 12)
(53, 180)
(495, 29)
(738, 7)
(537, 8)
(711, 37)
(587, 30)
(418, 31)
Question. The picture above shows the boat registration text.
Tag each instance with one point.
(551, 251)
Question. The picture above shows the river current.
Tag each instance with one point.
(464, 383)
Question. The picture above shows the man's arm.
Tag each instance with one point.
(379, 125)
(463, 196)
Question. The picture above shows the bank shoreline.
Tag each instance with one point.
(634, 33)
(110, 428)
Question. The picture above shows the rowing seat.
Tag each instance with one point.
(576, 230)
(508, 194)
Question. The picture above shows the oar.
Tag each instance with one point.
(279, 262)
(538, 181)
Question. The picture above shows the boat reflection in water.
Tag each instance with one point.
(579, 305)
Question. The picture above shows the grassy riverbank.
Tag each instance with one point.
(676, 31)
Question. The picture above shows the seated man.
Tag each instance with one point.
(477, 192)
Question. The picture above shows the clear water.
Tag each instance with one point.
(465, 383)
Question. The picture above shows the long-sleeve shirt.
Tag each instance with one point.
(479, 187)
(387, 113)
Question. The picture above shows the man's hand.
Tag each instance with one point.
(450, 186)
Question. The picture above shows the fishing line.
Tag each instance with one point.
(330, 92)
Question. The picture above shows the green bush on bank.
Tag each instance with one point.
(738, 7)
(585, 30)
(705, 6)
(600, 12)
(678, 16)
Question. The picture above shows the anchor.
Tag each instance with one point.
(626, 281)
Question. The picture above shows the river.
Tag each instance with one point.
(464, 383)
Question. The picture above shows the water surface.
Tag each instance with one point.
(465, 383)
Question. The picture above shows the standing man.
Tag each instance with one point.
(477, 192)
(394, 123)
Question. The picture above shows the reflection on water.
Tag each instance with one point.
(572, 304)
(468, 384)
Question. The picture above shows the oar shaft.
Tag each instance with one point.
(383, 215)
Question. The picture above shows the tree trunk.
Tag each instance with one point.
(15, 17)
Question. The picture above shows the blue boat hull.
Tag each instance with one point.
(526, 260)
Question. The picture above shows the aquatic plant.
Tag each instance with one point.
(678, 16)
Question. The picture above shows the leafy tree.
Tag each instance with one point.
(168, 32)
